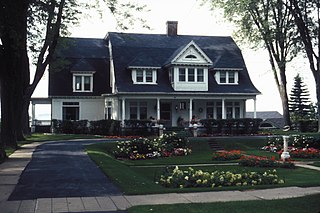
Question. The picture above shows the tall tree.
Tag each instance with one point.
(266, 23)
(15, 66)
(44, 21)
(299, 103)
(306, 14)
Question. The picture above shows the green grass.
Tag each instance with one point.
(293, 205)
(56, 137)
(139, 177)
(48, 137)
(316, 163)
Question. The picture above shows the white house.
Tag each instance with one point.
(137, 76)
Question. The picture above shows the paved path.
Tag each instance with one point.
(62, 169)
(25, 198)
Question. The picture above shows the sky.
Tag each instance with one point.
(194, 19)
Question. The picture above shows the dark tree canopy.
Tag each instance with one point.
(36, 25)
(267, 24)
(299, 103)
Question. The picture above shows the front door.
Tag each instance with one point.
(165, 113)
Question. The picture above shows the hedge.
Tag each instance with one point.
(101, 127)
(242, 126)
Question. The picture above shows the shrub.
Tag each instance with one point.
(231, 126)
(173, 177)
(101, 127)
(105, 127)
(275, 143)
(143, 148)
(227, 155)
(304, 153)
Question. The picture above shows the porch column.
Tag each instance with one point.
(123, 111)
(190, 109)
(223, 109)
(33, 114)
(158, 108)
(254, 108)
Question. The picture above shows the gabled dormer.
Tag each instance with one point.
(143, 69)
(188, 68)
(82, 77)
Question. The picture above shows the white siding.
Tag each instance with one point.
(90, 109)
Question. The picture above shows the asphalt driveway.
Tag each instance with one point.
(62, 169)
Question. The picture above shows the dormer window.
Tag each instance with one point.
(144, 76)
(189, 74)
(227, 77)
(83, 82)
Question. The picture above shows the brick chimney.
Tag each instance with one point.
(172, 28)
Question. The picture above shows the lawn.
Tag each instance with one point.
(139, 177)
(38, 137)
(294, 205)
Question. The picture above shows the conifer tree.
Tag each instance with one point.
(299, 103)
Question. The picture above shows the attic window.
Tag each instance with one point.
(191, 57)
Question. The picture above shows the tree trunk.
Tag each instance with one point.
(15, 67)
(317, 80)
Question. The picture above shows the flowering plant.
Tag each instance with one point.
(257, 161)
(176, 178)
(143, 148)
(226, 155)
(303, 153)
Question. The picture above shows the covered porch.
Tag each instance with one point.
(176, 110)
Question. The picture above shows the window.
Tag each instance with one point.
(219, 110)
(227, 77)
(223, 77)
(193, 74)
(231, 77)
(200, 75)
(182, 74)
(141, 76)
(82, 82)
(171, 75)
(210, 110)
(191, 57)
(149, 76)
(138, 110)
(70, 111)
(108, 112)
(190, 75)
(183, 105)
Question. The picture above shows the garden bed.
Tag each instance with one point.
(140, 177)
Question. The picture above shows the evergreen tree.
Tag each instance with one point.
(299, 103)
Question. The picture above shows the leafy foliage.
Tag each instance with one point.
(177, 178)
(299, 104)
(226, 155)
(143, 148)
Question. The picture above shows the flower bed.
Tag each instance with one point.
(303, 153)
(143, 148)
(252, 161)
(176, 178)
(226, 155)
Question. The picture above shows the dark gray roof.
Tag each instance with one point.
(82, 65)
(82, 48)
(79, 54)
(265, 114)
(156, 49)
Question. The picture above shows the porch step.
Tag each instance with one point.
(214, 145)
